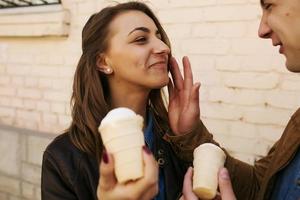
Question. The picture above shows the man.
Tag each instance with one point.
(276, 176)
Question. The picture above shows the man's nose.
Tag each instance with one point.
(264, 30)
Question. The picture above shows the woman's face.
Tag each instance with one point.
(136, 53)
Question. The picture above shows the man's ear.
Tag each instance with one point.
(102, 64)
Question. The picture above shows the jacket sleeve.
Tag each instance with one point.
(184, 145)
(246, 179)
(53, 184)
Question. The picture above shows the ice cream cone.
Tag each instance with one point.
(122, 136)
(208, 159)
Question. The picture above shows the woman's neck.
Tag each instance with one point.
(137, 101)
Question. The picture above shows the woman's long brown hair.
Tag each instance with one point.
(90, 88)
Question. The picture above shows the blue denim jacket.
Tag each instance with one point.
(288, 183)
(148, 133)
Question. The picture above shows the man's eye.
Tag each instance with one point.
(268, 6)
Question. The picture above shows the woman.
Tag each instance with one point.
(125, 61)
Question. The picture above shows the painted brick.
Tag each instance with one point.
(5, 101)
(9, 148)
(168, 16)
(29, 104)
(9, 185)
(267, 116)
(3, 196)
(191, 3)
(251, 80)
(220, 111)
(43, 106)
(65, 120)
(58, 107)
(27, 190)
(57, 96)
(4, 80)
(6, 111)
(29, 93)
(36, 147)
(206, 46)
(230, 13)
(7, 91)
(31, 82)
(236, 96)
(31, 173)
(29, 115)
(290, 85)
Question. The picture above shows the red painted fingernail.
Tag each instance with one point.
(146, 149)
(105, 157)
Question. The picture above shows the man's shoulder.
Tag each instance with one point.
(296, 117)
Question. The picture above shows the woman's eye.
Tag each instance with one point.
(141, 39)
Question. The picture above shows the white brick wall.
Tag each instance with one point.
(246, 91)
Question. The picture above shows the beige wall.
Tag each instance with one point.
(247, 95)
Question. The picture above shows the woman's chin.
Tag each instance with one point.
(161, 84)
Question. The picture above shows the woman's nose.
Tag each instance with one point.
(161, 47)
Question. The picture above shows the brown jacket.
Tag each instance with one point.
(249, 182)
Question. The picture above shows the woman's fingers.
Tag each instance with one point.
(150, 169)
(151, 176)
(107, 176)
(139, 188)
(144, 188)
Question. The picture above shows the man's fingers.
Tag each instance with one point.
(225, 185)
(170, 89)
(107, 176)
(188, 186)
(176, 75)
(194, 99)
(187, 183)
(188, 75)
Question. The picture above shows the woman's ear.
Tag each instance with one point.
(102, 65)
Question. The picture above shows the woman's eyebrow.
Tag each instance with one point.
(144, 29)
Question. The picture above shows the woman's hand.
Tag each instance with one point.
(184, 110)
(144, 188)
(226, 191)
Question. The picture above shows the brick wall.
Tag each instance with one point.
(247, 95)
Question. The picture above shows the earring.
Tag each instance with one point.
(108, 70)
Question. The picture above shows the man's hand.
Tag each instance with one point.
(184, 110)
(226, 191)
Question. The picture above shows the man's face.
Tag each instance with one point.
(281, 23)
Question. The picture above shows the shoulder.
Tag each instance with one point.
(63, 157)
(296, 114)
(66, 165)
(62, 147)
(296, 119)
